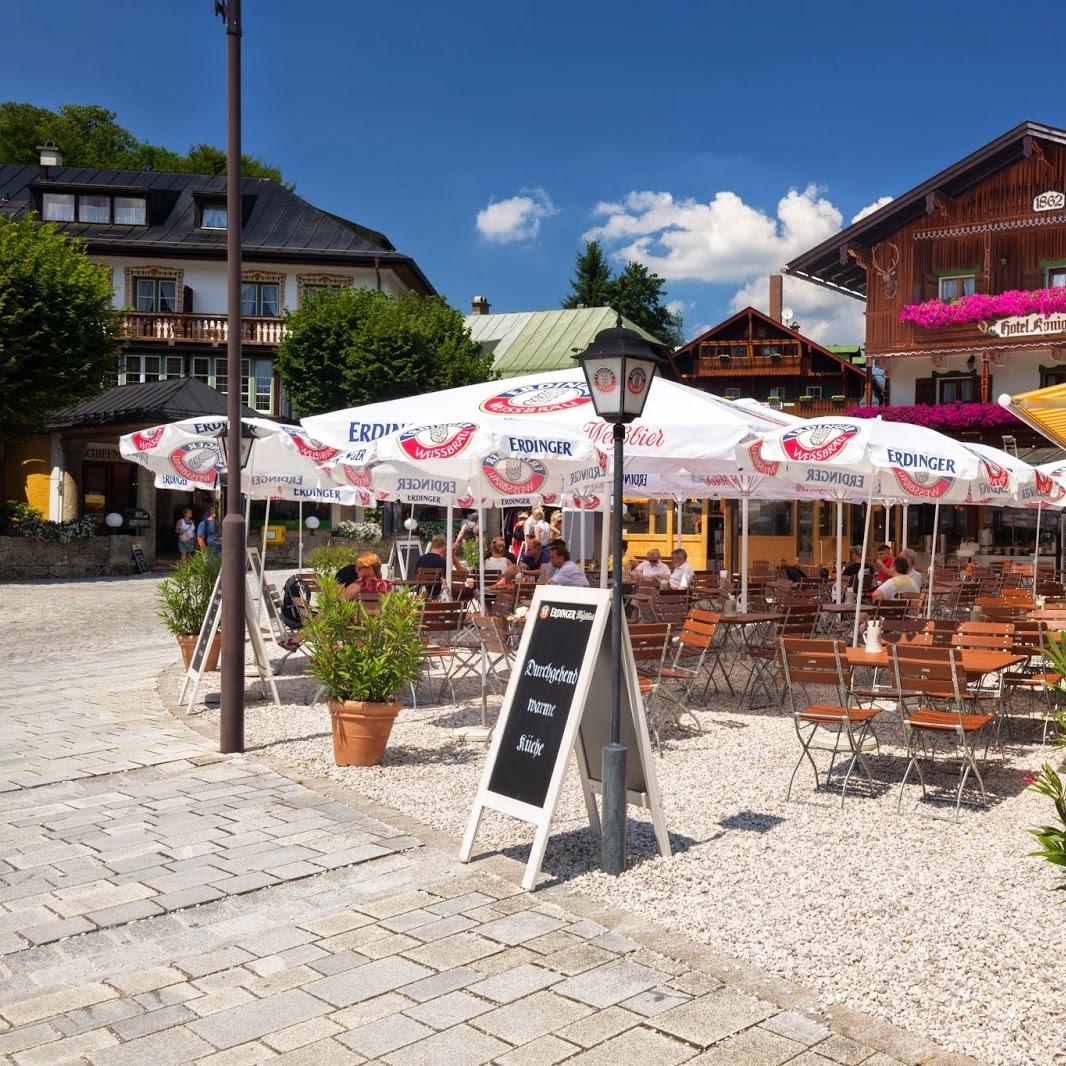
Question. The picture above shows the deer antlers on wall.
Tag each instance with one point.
(884, 259)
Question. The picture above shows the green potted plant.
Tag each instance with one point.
(362, 660)
(806, 399)
(183, 601)
(838, 399)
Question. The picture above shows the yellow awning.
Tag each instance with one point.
(1043, 409)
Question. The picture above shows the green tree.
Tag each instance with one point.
(591, 283)
(57, 328)
(348, 347)
(89, 136)
(637, 294)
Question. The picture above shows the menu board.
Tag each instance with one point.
(542, 700)
(558, 702)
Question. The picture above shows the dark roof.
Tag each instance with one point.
(152, 403)
(693, 345)
(828, 264)
(278, 224)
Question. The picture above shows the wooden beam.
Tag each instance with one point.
(939, 203)
(860, 254)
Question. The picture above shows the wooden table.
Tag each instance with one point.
(975, 664)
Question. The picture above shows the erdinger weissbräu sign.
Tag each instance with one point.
(558, 701)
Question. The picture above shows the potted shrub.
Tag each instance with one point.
(806, 399)
(838, 399)
(183, 601)
(362, 660)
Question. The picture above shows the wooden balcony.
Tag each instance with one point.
(818, 407)
(886, 333)
(199, 329)
(762, 365)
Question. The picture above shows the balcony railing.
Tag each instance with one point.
(814, 407)
(199, 329)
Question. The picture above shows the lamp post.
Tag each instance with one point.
(231, 719)
(619, 366)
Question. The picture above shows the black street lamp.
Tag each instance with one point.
(619, 366)
(231, 718)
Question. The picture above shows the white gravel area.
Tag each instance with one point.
(946, 929)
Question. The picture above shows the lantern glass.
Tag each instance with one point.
(604, 377)
(638, 377)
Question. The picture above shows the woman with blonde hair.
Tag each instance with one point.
(366, 578)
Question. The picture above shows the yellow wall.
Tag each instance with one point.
(27, 473)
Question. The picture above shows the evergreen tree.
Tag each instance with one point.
(591, 284)
(637, 294)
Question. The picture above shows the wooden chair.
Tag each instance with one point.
(931, 677)
(443, 623)
(807, 662)
(650, 643)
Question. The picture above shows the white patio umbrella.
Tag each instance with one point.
(874, 458)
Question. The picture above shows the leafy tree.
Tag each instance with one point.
(89, 136)
(638, 294)
(591, 284)
(348, 347)
(57, 327)
(635, 293)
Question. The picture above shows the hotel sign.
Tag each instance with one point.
(1034, 325)
(1049, 201)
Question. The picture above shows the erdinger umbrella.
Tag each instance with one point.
(871, 458)
(679, 429)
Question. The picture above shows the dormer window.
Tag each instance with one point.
(58, 207)
(213, 215)
(131, 211)
(94, 209)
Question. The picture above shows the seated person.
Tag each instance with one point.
(884, 563)
(533, 556)
(547, 568)
(499, 558)
(367, 577)
(683, 574)
(913, 573)
(565, 571)
(796, 572)
(652, 567)
(433, 560)
(900, 581)
(508, 579)
(851, 571)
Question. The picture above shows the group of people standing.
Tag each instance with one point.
(205, 534)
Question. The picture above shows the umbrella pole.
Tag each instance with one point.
(481, 562)
(446, 592)
(677, 532)
(581, 533)
(932, 562)
(1036, 553)
(263, 563)
(300, 550)
(605, 538)
(862, 563)
(744, 555)
(905, 525)
(840, 552)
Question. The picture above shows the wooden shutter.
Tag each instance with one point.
(925, 391)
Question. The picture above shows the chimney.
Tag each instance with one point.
(776, 285)
(480, 305)
(51, 156)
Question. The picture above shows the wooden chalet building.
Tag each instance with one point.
(964, 281)
(163, 239)
(757, 355)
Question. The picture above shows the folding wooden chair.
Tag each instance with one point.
(821, 662)
(650, 643)
(443, 624)
(1034, 677)
(932, 676)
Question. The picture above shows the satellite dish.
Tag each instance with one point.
(786, 315)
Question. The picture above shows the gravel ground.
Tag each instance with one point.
(942, 928)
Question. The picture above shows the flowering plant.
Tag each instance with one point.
(934, 314)
(42, 529)
(950, 418)
(365, 531)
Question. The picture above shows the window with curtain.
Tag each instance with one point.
(260, 299)
(94, 208)
(156, 294)
(213, 216)
(1056, 278)
(131, 211)
(58, 207)
(959, 390)
(955, 286)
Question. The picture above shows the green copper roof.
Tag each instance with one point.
(525, 342)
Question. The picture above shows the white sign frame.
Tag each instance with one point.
(593, 676)
(1052, 200)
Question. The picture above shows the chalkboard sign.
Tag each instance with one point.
(558, 701)
(140, 559)
(542, 700)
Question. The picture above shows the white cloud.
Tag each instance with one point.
(679, 307)
(869, 209)
(823, 315)
(722, 240)
(517, 218)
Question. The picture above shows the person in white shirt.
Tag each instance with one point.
(913, 573)
(653, 566)
(535, 516)
(900, 581)
(565, 572)
(683, 574)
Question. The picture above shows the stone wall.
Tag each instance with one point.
(21, 558)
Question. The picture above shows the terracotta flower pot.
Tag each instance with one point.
(361, 731)
(187, 644)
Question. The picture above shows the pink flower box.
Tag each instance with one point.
(949, 418)
(935, 314)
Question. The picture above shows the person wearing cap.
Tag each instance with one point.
(518, 533)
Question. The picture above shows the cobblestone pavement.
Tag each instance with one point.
(162, 904)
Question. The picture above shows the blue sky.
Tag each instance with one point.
(711, 141)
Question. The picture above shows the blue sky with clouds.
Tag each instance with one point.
(486, 139)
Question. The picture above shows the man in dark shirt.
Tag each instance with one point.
(434, 559)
